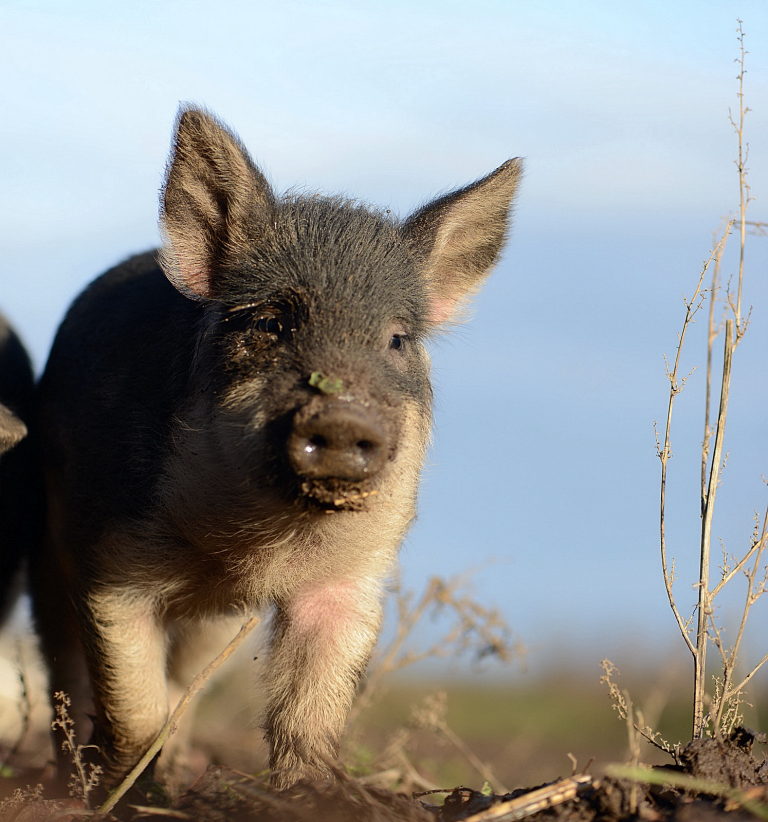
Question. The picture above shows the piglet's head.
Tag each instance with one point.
(216, 204)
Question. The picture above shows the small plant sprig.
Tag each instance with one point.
(87, 774)
(636, 724)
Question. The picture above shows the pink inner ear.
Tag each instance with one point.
(198, 282)
(440, 309)
(195, 283)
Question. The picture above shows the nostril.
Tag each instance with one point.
(365, 445)
(317, 441)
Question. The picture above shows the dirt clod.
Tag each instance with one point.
(726, 762)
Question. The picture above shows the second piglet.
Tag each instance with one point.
(241, 419)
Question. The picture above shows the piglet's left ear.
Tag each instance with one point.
(463, 234)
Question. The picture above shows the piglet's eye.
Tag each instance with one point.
(269, 325)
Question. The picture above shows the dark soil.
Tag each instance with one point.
(736, 789)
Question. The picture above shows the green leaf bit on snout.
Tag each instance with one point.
(326, 385)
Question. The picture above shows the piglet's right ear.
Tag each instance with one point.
(213, 204)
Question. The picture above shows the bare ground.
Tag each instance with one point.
(733, 785)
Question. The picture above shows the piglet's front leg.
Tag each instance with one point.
(127, 658)
(322, 640)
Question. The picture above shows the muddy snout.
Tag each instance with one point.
(337, 441)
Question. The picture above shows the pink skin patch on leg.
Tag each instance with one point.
(325, 611)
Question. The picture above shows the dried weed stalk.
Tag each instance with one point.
(636, 725)
(18, 799)
(396, 770)
(475, 629)
(723, 713)
(432, 714)
(87, 774)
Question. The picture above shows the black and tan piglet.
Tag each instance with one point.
(20, 485)
(241, 419)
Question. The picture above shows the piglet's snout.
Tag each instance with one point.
(341, 441)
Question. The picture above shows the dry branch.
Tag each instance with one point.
(705, 598)
(170, 726)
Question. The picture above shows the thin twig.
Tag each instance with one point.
(758, 227)
(736, 568)
(711, 336)
(744, 197)
(170, 726)
(484, 770)
(746, 679)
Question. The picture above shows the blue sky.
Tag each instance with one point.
(544, 461)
